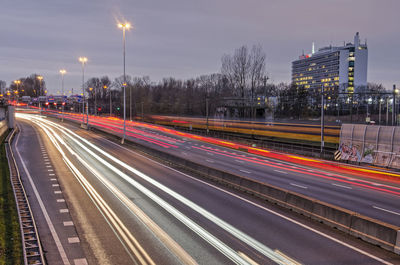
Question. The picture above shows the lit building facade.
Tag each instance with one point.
(336, 69)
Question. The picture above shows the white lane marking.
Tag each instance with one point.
(247, 258)
(53, 179)
(297, 185)
(342, 186)
(280, 171)
(239, 161)
(53, 232)
(52, 174)
(184, 153)
(60, 200)
(210, 161)
(64, 210)
(291, 260)
(80, 262)
(73, 240)
(55, 185)
(261, 207)
(376, 184)
(48, 166)
(244, 171)
(389, 211)
(47, 163)
(211, 154)
(50, 170)
(57, 192)
(68, 223)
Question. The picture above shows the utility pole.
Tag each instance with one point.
(394, 106)
(322, 119)
(207, 114)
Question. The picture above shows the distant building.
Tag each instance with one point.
(337, 69)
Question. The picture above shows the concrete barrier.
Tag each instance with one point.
(370, 230)
(375, 232)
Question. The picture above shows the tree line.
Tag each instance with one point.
(240, 89)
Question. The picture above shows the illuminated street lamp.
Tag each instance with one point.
(17, 82)
(124, 27)
(40, 78)
(84, 60)
(62, 72)
(109, 92)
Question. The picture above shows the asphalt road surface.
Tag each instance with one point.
(130, 209)
(374, 198)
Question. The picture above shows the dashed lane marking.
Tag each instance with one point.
(385, 210)
(342, 186)
(64, 210)
(68, 223)
(60, 200)
(279, 171)
(73, 240)
(80, 262)
(297, 185)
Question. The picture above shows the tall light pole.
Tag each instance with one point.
(83, 61)
(394, 111)
(40, 78)
(109, 92)
(124, 27)
(322, 118)
(62, 72)
(380, 110)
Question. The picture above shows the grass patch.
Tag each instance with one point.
(10, 237)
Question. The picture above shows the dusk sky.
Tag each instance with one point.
(186, 38)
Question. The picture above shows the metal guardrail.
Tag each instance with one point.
(31, 247)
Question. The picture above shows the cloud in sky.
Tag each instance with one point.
(186, 38)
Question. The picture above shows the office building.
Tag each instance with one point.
(336, 69)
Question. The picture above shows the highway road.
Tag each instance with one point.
(158, 215)
(377, 199)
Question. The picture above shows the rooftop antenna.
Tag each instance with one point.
(313, 48)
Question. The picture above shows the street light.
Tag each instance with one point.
(84, 60)
(394, 111)
(62, 72)
(17, 82)
(105, 87)
(124, 27)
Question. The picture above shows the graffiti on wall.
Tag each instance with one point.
(350, 152)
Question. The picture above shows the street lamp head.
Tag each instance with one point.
(126, 25)
(83, 59)
(39, 77)
(105, 87)
(17, 82)
(396, 91)
(63, 71)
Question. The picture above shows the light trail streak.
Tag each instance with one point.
(302, 172)
(211, 239)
